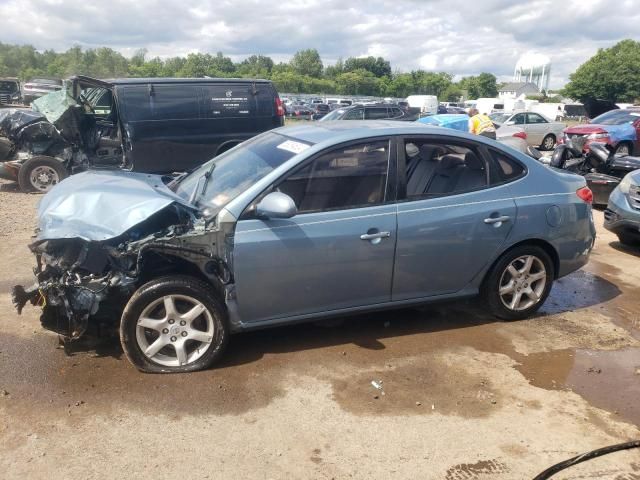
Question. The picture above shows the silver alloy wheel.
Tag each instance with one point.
(548, 143)
(43, 178)
(175, 330)
(522, 283)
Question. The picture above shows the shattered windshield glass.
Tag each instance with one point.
(239, 168)
(54, 104)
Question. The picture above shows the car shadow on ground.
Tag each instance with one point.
(10, 187)
(631, 250)
(579, 290)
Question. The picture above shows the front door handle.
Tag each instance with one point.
(497, 220)
(375, 236)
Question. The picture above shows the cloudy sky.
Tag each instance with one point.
(458, 36)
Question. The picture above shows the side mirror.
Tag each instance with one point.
(510, 122)
(276, 205)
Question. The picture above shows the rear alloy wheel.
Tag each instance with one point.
(623, 149)
(173, 324)
(41, 174)
(519, 283)
(548, 142)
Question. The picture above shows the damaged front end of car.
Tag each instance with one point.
(96, 246)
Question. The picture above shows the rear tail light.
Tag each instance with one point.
(585, 194)
(279, 107)
(522, 135)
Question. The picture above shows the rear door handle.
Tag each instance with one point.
(374, 236)
(502, 219)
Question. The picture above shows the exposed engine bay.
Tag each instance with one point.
(86, 273)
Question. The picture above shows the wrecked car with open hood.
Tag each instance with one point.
(299, 223)
(150, 125)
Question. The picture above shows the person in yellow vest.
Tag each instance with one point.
(481, 124)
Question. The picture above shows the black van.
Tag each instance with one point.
(152, 125)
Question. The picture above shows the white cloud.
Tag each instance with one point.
(457, 36)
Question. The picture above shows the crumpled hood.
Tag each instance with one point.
(99, 205)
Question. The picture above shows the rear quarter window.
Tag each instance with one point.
(506, 168)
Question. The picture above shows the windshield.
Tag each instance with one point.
(617, 117)
(10, 87)
(335, 115)
(499, 117)
(239, 168)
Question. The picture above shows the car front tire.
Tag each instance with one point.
(173, 324)
(519, 283)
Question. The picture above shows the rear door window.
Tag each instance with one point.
(376, 113)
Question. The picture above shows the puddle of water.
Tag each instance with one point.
(606, 379)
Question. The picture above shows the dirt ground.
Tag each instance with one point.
(463, 396)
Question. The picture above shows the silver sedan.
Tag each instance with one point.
(541, 132)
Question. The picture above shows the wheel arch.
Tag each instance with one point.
(538, 242)
(157, 265)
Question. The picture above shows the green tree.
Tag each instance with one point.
(482, 86)
(611, 74)
(307, 62)
(378, 66)
(255, 66)
(358, 82)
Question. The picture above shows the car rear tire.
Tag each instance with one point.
(519, 282)
(40, 174)
(628, 240)
(173, 325)
(624, 149)
(548, 142)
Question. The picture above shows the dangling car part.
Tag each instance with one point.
(602, 169)
(297, 224)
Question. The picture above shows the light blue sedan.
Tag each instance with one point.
(299, 223)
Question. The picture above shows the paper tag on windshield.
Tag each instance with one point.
(634, 114)
(293, 147)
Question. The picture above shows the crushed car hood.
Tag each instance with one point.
(99, 205)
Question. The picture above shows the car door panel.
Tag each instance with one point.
(314, 262)
(443, 243)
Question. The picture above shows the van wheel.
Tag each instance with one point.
(548, 142)
(173, 324)
(41, 174)
(519, 283)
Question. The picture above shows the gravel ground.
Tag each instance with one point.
(465, 397)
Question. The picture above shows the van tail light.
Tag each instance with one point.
(522, 135)
(585, 194)
(279, 107)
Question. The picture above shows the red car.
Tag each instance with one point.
(619, 129)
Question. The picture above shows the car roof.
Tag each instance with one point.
(155, 80)
(345, 130)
